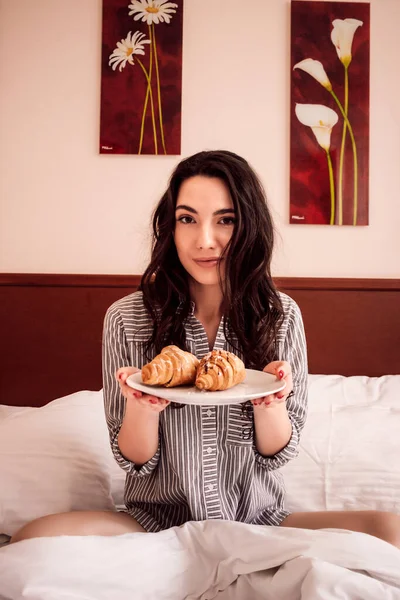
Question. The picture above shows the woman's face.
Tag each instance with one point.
(205, 220)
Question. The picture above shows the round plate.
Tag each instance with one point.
(256, 385)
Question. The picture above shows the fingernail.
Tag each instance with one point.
(281, 396)
(281, 374)
(153, 400)
(137, 394)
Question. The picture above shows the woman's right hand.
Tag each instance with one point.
(147, 401)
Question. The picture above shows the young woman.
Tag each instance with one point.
(208, 285)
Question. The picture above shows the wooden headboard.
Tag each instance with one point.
(51, 327)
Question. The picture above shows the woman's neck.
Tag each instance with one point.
(208, 302)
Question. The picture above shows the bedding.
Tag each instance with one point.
(203, 560)
(56, 458)
(350, 445)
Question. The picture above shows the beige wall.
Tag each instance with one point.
(65, 208)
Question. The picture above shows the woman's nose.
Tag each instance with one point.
(206, 237)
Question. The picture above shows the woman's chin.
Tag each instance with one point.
(209, 279)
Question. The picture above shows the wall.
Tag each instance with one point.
(64, 208)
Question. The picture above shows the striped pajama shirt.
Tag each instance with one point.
(206, 465)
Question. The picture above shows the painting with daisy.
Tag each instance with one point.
(141, 82)
(329, 136)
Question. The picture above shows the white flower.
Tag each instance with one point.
(123, 53)
(321, 119)
(315, 69)
(152, 11)
(342, 36)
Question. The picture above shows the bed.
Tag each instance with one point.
(54, 453)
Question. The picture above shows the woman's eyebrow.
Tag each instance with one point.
(185, 207)
(221, 211)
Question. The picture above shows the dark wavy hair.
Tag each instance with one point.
(250, 300)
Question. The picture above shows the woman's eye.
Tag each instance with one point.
(227, 221)
(185, 219)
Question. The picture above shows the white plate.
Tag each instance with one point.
(256, 385)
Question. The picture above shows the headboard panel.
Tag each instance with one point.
(51, 333)
(352, 325)
(51, 328)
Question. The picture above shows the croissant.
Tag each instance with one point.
(219, 370)
(172, 367)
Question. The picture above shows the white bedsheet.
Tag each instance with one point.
(203, 560)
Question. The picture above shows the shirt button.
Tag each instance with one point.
(209, 450)
(209, 413)
(210, 487)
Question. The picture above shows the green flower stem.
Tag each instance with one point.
(148, 78)
(143, 118)
(353, 142)
(151, 99)
(332, 188)
(346, 110)
(153, 41)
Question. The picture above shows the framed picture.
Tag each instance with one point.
(141, 77)
(329, 112)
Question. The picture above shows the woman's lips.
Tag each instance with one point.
(207, 263)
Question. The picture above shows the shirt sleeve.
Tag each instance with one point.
(295, 353)
(116, 355)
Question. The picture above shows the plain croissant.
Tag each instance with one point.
(172, 367)
(219, 370)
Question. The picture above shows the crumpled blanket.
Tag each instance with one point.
(203, 560)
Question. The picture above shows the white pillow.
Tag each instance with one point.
(56, 458)
(349, 447)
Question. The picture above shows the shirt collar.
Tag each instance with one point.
(192, 307)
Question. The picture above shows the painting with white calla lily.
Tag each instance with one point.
(147, 67)
(316, 69)
(322, 100)
(342, 37)
(321, 119)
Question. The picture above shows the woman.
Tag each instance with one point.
(208, 285)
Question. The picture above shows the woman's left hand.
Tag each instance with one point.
(282, 370)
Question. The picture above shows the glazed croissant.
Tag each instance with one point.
(219, 370)
(172, 367)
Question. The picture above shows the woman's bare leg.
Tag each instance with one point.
(383, 525)
(79, 523)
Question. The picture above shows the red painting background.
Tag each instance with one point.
(123, 93)
(311, 26)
